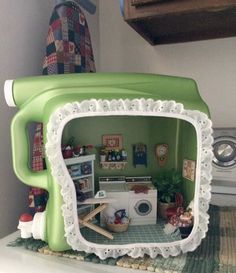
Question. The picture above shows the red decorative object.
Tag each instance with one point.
(26, 217)
(140, 189)
(67, 152)
(178, 209)
(37, 200)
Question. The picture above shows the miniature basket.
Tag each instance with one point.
(117, 227)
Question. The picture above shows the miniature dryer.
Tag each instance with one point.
(224, 161)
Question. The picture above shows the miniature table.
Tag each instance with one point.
(86, 220)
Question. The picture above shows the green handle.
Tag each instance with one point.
(20, 152)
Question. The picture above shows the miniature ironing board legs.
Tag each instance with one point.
(86, 220)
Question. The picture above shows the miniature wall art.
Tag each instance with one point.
(112, 155)
(162, 153)
(140, 154)
(155, 103)
(189, 169)
(112, 142)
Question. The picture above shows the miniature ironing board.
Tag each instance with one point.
(86, 220)
(69, 50)
(69, 47)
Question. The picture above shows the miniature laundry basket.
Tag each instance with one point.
(117, 227)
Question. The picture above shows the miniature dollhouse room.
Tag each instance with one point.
(119, 148)
(125, 164)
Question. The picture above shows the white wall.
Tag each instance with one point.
(23, 29)
(93, 23)
(211, 63)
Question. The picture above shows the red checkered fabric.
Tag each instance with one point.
(68, 50)
(38, 154)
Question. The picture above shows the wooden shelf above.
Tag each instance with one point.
(175, 21)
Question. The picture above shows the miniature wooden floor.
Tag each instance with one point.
(134, 234)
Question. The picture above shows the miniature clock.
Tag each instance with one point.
(162, 153)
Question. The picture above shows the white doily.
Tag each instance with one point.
(135, 107)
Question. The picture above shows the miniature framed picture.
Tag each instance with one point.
(189, 167)
(112, 142)
(140, 154)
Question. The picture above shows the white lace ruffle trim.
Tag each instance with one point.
(135, 107)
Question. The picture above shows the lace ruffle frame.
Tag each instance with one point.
(135, 107)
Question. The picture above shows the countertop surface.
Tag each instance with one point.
(17, 259)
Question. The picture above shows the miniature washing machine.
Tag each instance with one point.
(143, 206)
(56, 100)
(224, 160)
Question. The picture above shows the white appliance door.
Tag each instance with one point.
(224, 149)
(142, 211)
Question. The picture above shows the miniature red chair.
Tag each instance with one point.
(178, 208)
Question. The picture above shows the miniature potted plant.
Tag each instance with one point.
(168, 184)
(103, 154)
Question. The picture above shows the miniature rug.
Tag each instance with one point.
(135, 234)
(216, 254)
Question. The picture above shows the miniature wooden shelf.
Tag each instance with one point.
(113, 165)
(88, 188)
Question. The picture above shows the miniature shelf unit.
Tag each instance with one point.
(81, 170)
